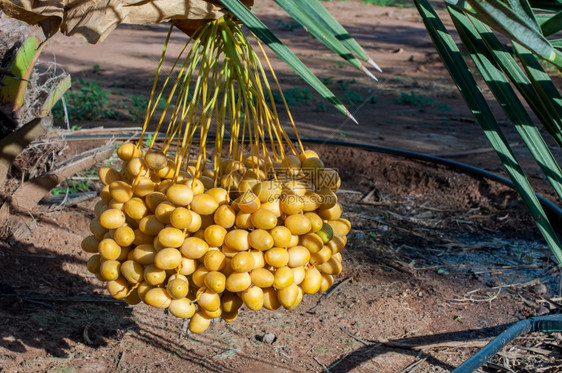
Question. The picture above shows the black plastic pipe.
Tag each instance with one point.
(549, 205)
(551, 323)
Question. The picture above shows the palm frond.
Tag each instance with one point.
(459, 71)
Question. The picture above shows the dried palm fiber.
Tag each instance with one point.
(93, 20)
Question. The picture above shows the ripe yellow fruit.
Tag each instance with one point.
(212, 314)
(109, 249)
(261, 277)
(237, 240)
(198, 277)
(321, 256)
(300, 296)
(260, 239)
(177, 288)
(153, 275)
(281, 236)
(157, 297)
(253, 298)
(291, 204)
(171, 237)
(332, 213)
(219, 194)
(144, 187)
(243, 220)
(230, 302)
(105, 194)
(150, 225)
(194, 248)
(225, 216)
(208, 300)
(143, 288)
(127, 151)
(112, 219)
(298, 224)
(337, 243)
(142, 238)
(90, 244)
(108, 175)
(179, 194)
(110, 270)
(340, 227)
(270, 299)
(312, 281)
(248, 202)
(288, 295)
(277, 257)
(311, 163)
(118, 289)
(327, 282)
(258, 258)
(136, 166)
(264, 219)
(331, 267)
(133, 298)
(311, 201)
(216, 281)
(124, 236)
(196, 222)
(242, 262)
(298, 256)
(283, 277)
(267, 191)
(169, 258)
(94, 264)
(327, 198)
(214, 260)
(182, 308)
(298, 274)
(120, 191)
(188, 266)
(152, 200)
(291, 164)
(204, 204)
(312, 242)
(295, 187)
(199, 322)
(144, 254)
(164, 211)
(238, 281)
(155, 160)
(132, 271)
(180, 218)
(214, 235)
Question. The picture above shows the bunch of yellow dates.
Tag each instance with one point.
(172, 241)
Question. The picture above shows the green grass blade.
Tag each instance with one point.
(340, 31)
(301, 13)
(552, 24)
(499, 85)
(262, 32)
(515, 26)
(476, 102)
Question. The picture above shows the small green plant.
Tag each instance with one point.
(87, 102)
(415, 99)
(137, 110)
(395, 3)
(72, 186)
(293, 96)
(353, 98)
(444, 108)
(322, 107)
(340, 64)
(96, 68)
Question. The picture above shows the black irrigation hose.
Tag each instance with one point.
(475, 171)
(551, 323)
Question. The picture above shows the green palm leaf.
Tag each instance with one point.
(476, 102)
